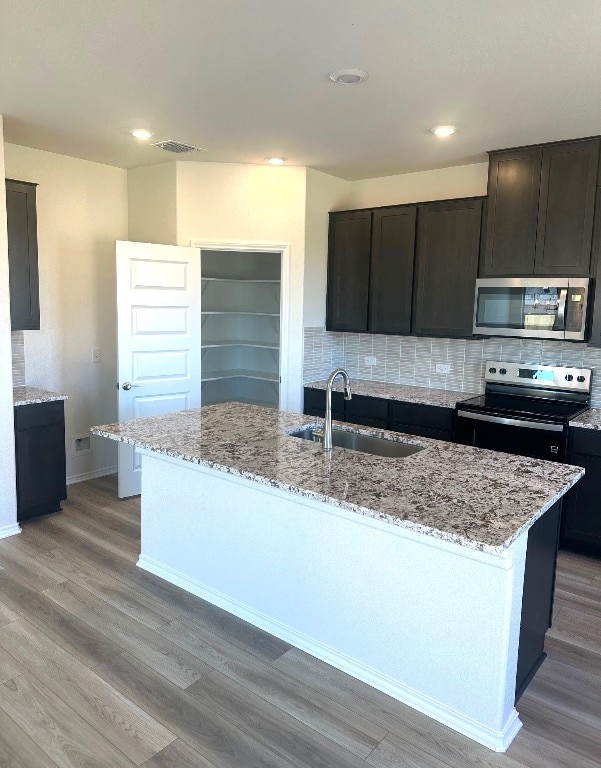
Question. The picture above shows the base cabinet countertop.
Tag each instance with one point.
(33, 395)
(410, 410)
(39, 420)
(444, 398)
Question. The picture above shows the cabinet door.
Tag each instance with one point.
(369, 411)
(425, 420)
(391, 276)
(40, 458)
(513, 190)
(448, 245)
(348, 271)
(315, 403)
(22, 255)
(581, 518)
(567, 208)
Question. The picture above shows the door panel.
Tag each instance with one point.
(391, 276)
(566, 209)
(513, 189)
(158, 319)
(348, 271)
(447, 264)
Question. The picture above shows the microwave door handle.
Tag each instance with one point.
(561, 309)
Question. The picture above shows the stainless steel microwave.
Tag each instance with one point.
(537, 307)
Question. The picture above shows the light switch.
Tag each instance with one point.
(443, 368)
(370, 360)
(96, 355)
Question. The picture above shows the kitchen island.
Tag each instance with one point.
(406, 573)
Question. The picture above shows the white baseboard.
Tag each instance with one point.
(498, 741)
(91, 475)
(9, 530)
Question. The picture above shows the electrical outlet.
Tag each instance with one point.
(96, 355)
(370, 360)
(443, 368)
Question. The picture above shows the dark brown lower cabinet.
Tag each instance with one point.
(410, 418)
(40, 458)
(423, 420)
(537, 595)
(581, 519)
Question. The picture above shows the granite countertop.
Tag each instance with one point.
(590, 419)
(446, 398)
(479, 499)
(31, 395)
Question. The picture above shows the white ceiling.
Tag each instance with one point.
(249, 78)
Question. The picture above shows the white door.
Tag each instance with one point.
(158, 337)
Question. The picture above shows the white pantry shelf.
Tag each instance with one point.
(238, 280)
(239, 312)
(241, 343)
(239, 373)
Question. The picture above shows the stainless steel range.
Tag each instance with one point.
(525, 409)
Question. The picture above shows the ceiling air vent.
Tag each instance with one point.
(176, 146)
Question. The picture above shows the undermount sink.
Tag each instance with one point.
(355, 441)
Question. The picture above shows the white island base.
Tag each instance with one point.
(433, 623)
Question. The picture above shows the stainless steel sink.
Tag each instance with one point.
(354, 441)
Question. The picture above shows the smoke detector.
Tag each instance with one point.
(169, 145)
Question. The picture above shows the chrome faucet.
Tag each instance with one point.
(327, 427)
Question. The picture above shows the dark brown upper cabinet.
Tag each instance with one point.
(370, 270)
(541, 209)
(566, 209)
(21, 223)
(415, 274)
(349, 252)
(391, 275)
(513, 189)
(448, 246)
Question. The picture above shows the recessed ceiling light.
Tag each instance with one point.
(141, 134)
(276, 160)
(443, 130)
(348, 76)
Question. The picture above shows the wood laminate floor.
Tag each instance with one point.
(102, 664)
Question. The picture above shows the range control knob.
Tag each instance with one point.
(492, 370)
(569, 377)
(580, 379)
(502, 371)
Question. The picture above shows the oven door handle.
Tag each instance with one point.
(511, 422)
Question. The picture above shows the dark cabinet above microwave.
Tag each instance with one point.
(541, 205)
(404, 269)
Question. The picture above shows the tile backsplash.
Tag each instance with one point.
(18, 347)
(413, 360)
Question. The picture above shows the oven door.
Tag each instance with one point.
(544, 308)
(540, 440)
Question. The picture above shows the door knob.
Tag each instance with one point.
(128, 385)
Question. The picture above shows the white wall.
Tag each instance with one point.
(324, 193)
(152, 202)
(440, 184)
(82, 210)
(237, 203)
(8, 500)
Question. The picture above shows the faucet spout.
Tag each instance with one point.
(327, 428)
